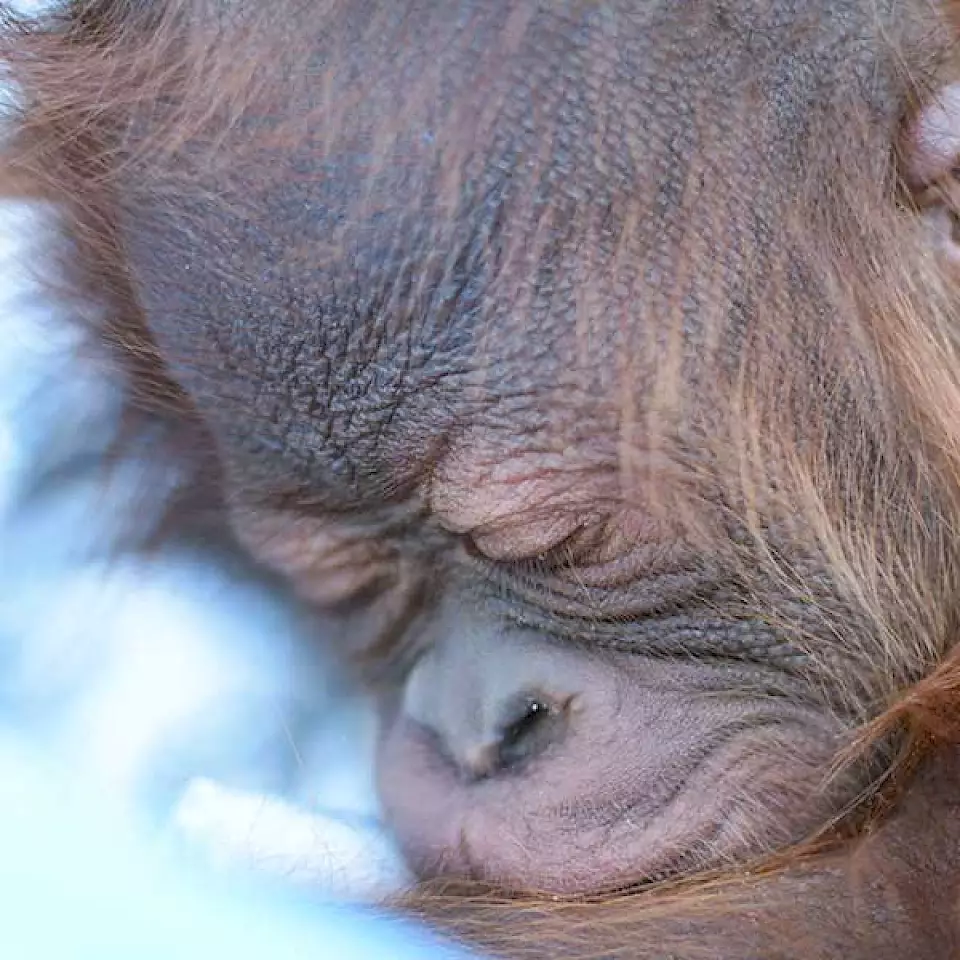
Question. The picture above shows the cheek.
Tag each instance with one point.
(651, 781)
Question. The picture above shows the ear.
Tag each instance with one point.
(932, 143)
(931, 168)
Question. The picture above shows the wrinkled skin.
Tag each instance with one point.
(535, 342)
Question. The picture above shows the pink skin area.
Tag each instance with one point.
(657, 761)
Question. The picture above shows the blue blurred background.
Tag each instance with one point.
(183, 773)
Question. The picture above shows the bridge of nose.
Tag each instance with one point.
(453, 690)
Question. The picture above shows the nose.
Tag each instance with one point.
(492, 703)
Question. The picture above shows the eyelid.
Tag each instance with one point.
(588, 556)
(529, 540)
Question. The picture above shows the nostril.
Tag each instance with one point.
(486, 715)
(532, 723)
(527, 725)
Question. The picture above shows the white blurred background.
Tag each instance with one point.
(164, 723)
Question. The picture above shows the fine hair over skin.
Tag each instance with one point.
(792, 418)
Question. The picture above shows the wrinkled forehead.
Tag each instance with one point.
(505, 213)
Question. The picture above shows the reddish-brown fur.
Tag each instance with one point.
(881, 882)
